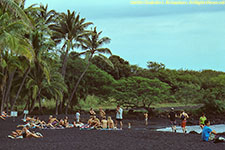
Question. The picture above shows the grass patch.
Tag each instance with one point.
(172, 105)
(94, 102)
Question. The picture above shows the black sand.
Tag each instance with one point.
(139, 137)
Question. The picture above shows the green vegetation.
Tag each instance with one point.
(54, 61)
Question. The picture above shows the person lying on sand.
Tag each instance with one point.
(104, 123)
(26, 133)
(16, 134)
(4, 115)
(110, 123)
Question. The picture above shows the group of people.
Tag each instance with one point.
(102, 122)
(183, 116)
(207, 133)
(54, 123)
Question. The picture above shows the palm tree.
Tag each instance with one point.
(41, 43)
(14, 8)
(92, 44)
(70, 29)
(13, 44)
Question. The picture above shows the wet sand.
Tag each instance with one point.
(138, 137)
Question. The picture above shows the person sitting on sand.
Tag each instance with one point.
(172, 115)
(101, 113)
(92, 123)
(146, 118)
(52, 122)
(66, 122)
(92, 112)
(104, 123)
(61, 122)
(207, 133)
(110, 123)
(202, 120)
(90, 120)
(183, 117)
(96, 122)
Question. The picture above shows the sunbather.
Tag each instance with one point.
(27, 134)
(104, 123)
(110, 123)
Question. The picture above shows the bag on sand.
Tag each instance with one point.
(219, 139)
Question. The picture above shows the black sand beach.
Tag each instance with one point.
(138, 137)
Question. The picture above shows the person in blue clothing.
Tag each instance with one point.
(207, 133)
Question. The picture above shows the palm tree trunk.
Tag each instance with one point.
(3, 89)
(56, 107)
(11, 76)
(78, 82)
(20, 88)
(2, 101)
(64, 66)
(40, 106)
(33, 102)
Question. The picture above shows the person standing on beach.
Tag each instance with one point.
(78, 116)
(146, 118)
(119, 116)
(202, 120)
(183, 117)
(92, 112)
(172, 115)
(102, 113)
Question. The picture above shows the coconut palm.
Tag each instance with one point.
(13, 44)
(69, 31)
(92, 44)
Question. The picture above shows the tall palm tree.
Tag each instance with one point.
(69, 31)
(92, 44)
(41, 42)
(13, 44)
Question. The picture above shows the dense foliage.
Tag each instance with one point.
(41, 61)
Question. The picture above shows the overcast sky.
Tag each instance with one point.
(180, 36)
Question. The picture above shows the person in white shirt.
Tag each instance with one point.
(78, 116)
(119, 116)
